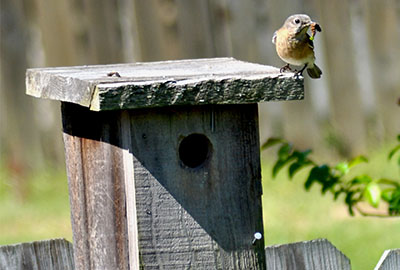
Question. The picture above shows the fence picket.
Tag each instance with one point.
(390, 260)
(309, 255)
(55, 254)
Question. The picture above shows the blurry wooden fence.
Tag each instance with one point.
(311, 255)
(358, 51)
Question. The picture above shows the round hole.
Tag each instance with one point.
(194, 150)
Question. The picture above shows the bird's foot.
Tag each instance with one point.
(299, 73)
(285, 68)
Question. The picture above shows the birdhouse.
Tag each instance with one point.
(163, 160)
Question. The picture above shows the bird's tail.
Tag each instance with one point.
(314, 72)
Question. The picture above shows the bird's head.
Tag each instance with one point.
(298, 23)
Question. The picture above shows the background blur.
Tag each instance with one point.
(351, 110)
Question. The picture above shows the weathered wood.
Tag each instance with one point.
(185, 82)
(96, 173)
(165, 186)
(309, 255)
(56, 254)
(390, 260)
(129, 177)
(203, 217)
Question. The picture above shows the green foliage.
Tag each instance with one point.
(395, 150)
(336, 180)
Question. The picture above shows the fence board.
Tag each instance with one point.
(390, 260)
(308, 255)
(316, 254)
(345, 94)
(67, 33)
(157, 34)
(194, 29)
(105, 41)
(383, 44)
(49, 254)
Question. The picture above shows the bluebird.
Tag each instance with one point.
(295, 46)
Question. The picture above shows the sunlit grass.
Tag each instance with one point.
(41, 213)
(292, 214)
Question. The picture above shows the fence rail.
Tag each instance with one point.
(319, 254)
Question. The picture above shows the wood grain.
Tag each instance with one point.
(203, 217)
(309, 255)
(55, 254)
(156, 84)
(390, 260)
(96, 178)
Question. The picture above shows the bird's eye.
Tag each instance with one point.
(297, 21)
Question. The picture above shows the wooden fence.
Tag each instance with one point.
(358, 54)
(317, 254)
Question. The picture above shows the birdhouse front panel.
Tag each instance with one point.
(198, 186)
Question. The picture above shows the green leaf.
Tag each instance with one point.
(387, 194)
(271, 142)
(337, 193)
(329, 183)
(301, 161)
(357, 160)
(394, 150)
(284, 157)
(279, 164)
(318, 173)
(343, 168)
(350, 202)
(361, 179)
(372, 193)
(394, 202)
(284, 151)
(302, 156)
(277, 167)
(296, 166)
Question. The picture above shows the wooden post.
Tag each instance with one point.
(154, 185)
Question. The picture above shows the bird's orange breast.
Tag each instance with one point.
(292, 50)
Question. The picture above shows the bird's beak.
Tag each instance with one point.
(304, 27)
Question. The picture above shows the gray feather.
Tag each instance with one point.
(274, 38)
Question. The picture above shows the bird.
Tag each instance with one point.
(295, 46)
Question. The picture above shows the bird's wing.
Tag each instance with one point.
(274, 38)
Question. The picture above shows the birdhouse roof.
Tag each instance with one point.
(166, 83)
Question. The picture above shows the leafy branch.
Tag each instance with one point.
(335, 179)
